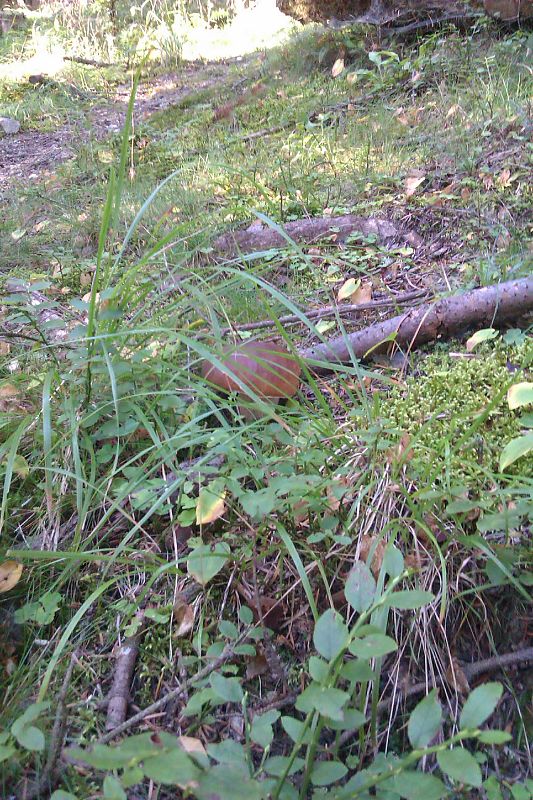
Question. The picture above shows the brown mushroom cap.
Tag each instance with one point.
(267, 368)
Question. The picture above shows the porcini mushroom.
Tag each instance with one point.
(267, 369)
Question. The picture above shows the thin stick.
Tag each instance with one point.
(329, 311)
(470, 670)
(119, 695)
(226, 655)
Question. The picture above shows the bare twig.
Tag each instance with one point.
(88, 61)
(266, 132)
(226, 655)
(330, 311)
(119, 694)
(491, 664)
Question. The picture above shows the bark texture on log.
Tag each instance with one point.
(257, 238)
(443, 319)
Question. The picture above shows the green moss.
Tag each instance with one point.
(457, 414)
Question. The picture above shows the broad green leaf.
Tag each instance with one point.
(360, 587)
(31, 738)
(521, 792)
(492, 788)
(494, 737)
(418, 786)
(131, 776)
(204, 562)
(409, 599)
(113, 789)
(174, 767)
(393, 561)
(515, 449)
(228, 629)
(101, 756)
(327, 701)
(228, 751)
(460, 765)
(353, 719)
(331, 634)
(32, 713)
(198, 700)
(41, 611)
(480, 704)
(261, 729)
(520, 394)
(357, 670)
(293, 727)
(276, 765)
(327, 772)
(210, 504)
(424, 722)
(375, 645)
(226, 782)
(6, 751)
(229, 689)
(318, 669)
(59, 794)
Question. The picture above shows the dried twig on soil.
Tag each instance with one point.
(257, 238)
(442, 319)
(227, 654)
(330, 311)
(470, 671)
(119, 695)
(90, 62)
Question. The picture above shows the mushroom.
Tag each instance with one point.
(266, 368)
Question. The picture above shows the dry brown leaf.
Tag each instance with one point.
(402, 451)
(191, 745)
(363, 294)
(10, 572)
(183, 619)
(456, 677)
(503, 177)
(5, 348)
(412, 184)
(258, 665)
(369, 544)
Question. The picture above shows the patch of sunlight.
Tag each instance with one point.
(47, 59)
(254, 28)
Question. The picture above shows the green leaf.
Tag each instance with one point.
(328, 772)
(31, 738)
(41, 611)
(199, 699)
(174, 767)
(360, 587)
(210, 505)
(101, 756)
(357, 671)
(59, 794)
(6, 751)
(375, 645)
(418, 786)
(261, 729)
(494, 737)
(331, 634)
(294, 727)
(276, 765)
(409, 599)
(393, 561)
(229, 689)
(131, 777)
(480, 705)
(353, 719)
(480, 336)
(204, 562)
(461, 766)
(318, 669)
(228, 752)
(515, 449)
(228, 629)
(225, 782)
(492, 789)
(520, 394)
(327, 701)
(113, 789)
(424, 722)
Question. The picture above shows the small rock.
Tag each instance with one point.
(9, 126)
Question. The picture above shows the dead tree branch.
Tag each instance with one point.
(119, 695)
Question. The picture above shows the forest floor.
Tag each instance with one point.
(140, 507)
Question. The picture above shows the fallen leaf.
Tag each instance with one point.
(337, 67)
(456, 677)
(412, 184)
(520, 394)
(480, 336)
(369, 543)
(5, 348)
(191, 745)
(183, 619)
(503, 177)
(10, 572)
(363, 294)
(348, 289)
(210, 504)
(258, 665)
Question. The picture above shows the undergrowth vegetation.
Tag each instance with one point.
(295, 580)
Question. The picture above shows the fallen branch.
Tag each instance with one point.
(439, 320)
(329, 311)
(249, 137)
(257, 238)
(470, 671)
(227, 654)
(88, 61)
(118, 698)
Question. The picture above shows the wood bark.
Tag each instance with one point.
(442, 319)
(258, 238)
